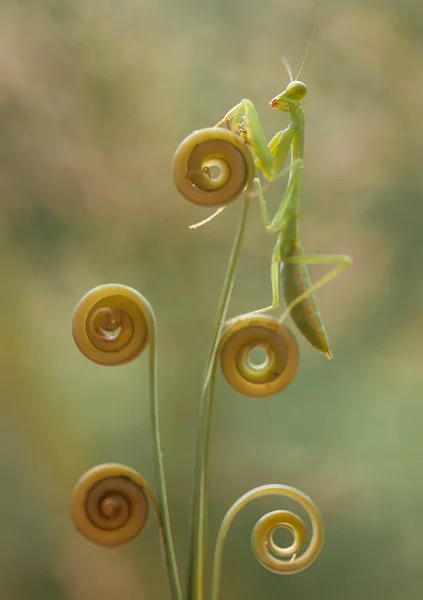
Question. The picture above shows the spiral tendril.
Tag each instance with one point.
(110, 324)
(266, 549)
(247, 334)
(109, 504)
(268, 553)
(212, 167)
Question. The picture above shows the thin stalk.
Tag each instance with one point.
(169, 552)
(197, 554)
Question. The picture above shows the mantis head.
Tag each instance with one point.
(294, 93)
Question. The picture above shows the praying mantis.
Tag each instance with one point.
(289, 262)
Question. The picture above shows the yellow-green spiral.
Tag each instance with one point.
(284, 561)
(110, 325)
(280, 349)
(298, 556)
(212, 167)
(109, 504)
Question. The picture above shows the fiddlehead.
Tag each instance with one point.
(109, 504)
(284, 561)
(110, 324)
(212, 167)
(280, 349)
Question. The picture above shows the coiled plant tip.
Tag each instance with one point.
(110, 325)
(282, 561)
(298, 556)
(245, 336)
(109, 504)
(212, 167)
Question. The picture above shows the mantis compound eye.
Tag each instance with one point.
(110, 324)
(296, 90)
(212, 167)
(278, 347)
(109, 504)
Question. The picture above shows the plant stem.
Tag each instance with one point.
(169, 552)
(197, 553)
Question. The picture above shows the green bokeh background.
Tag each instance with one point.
(95, 97)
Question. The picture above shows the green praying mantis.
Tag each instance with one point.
(289, 262)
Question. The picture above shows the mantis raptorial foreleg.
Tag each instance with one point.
(243, 120)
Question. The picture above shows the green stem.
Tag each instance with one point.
(169, 552)
(198, 512)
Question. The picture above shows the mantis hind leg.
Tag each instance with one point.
(340, 262)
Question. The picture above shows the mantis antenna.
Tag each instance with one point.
(287, 67)
(310, 40)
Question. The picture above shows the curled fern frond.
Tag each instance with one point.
(278, 345)
(110, 324)
(109, 504)
(283, 561)
(212, 167)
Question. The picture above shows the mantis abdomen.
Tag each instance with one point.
(306, 316)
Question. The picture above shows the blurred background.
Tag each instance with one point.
(94, 99)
